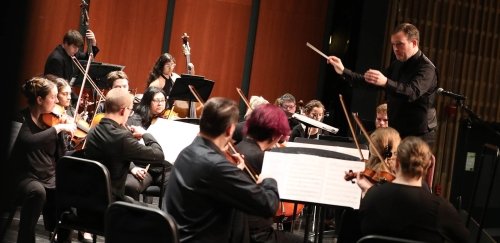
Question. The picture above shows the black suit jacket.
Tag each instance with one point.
(206, 191)
(115, 147)
(59, 63)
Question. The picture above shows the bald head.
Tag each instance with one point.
(117, 99)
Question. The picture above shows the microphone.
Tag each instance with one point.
(443, 92)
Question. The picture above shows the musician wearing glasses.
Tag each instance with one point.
(116, 146)
(313, 109)
(151, 107)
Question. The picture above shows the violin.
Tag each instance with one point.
(58, 116)
(374, 175)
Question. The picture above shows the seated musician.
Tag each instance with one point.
(207, 192)
(33, 159)
(151, 107)
(403, 208)
(255, 101)
(315, 110)
(114, 79)
(288, 103)
(115, 146)
(265, 126)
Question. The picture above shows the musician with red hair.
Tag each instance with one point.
(266, 125)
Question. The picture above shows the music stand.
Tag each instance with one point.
(97, 72)
(180, 90)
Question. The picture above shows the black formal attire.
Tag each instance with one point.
(238, 132)
(410, 212)
(59, 63)
(299, 131)
(411, 94)
(115, 147)
(207, 193)
(261, 229)
(34, 158)
(133, 186)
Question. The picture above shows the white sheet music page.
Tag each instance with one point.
(315, 179)
(350, 151)
(173, 136)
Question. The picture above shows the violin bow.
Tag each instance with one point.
(85, 75)
(363, 130)
(350, 127)
(247, 168)
(244, 98)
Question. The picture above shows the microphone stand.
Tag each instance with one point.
(473, 118)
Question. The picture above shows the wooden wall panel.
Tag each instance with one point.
(49, 21)
(282, 62)
(218, 33)
(129, 33)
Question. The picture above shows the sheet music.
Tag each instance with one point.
(350, 151)
(315, 179)
(173, 136)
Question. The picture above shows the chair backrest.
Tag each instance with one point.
(385, 239)
(82, 184)
(127, 222)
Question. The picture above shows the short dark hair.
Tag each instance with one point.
(410, 31)
(73, 37)
(287, 97)
(267, 121)
(218, 114)
(114, 75)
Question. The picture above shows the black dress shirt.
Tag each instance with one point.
(115, 147)
(205, 192)
(36, 151)
(59, 63)
(410, 92)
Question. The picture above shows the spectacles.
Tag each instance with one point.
(131, 110)
(170, 65)
(317, 115)
(159, 101)
(288, 106)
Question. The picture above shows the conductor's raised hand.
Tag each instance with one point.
(336, 63)
(375, 77)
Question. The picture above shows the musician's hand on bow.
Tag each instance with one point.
(239, 159)
(336, 63)
(137, 131)
(375, 77)
(139, 173)
(90, 35)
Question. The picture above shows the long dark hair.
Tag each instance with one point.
(143, 109)
(157, 70)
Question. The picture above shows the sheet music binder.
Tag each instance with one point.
(180, 90)
(97, 72)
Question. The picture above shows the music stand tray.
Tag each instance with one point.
(97, 72)
(180, 90)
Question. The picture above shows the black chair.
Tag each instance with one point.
(156, 190)
(385, 239)
(83, 192)
(126, 222)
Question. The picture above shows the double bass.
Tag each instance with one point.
(186, 109)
